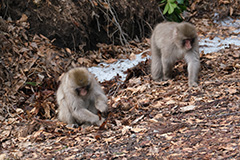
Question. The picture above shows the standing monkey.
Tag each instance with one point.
(80, 98)
(171, 41)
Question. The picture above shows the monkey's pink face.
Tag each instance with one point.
(187, 43)
(83, 91)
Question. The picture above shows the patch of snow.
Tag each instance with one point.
(106, 71)
(216, 44)
(229, 22)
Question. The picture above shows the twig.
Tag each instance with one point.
(148, 25)
(74, 45)
(116, 90)
(7, 107)
(7, 6)
(122, 34)
(161, 13)
(122, 37)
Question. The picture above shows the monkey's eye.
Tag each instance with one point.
(192, 40)
(88, 87)
(77, 90)
(183, 42)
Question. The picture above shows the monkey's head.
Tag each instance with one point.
(185, 35)
(81, 80)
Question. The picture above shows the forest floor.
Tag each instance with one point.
(146, 120)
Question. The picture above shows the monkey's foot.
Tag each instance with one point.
(72, 126)
(165, 78)
(193, 84)
(158, 79)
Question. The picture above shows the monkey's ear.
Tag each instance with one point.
(175, 32)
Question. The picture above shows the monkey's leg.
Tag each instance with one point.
(65, 116)
(167, 68)
(83, 115)
(193, 69)
(156, 64)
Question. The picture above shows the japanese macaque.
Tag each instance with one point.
(171, 41)
(80, 99)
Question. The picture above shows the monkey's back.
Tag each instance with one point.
(163, 39)
(161, 33)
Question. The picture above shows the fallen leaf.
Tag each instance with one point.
(111, 60)
(24, 18)
(126, 129)
(137, 119)
(136, 130)
(132, 56)
(187, 108)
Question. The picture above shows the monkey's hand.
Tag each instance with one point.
(99, 123)
(82, 115)
(101, 104)
(102, 107)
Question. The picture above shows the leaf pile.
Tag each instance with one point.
(219, 9)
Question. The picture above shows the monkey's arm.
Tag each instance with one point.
(83, 115)
(100, 99)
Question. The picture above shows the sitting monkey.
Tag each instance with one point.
(80, 98)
